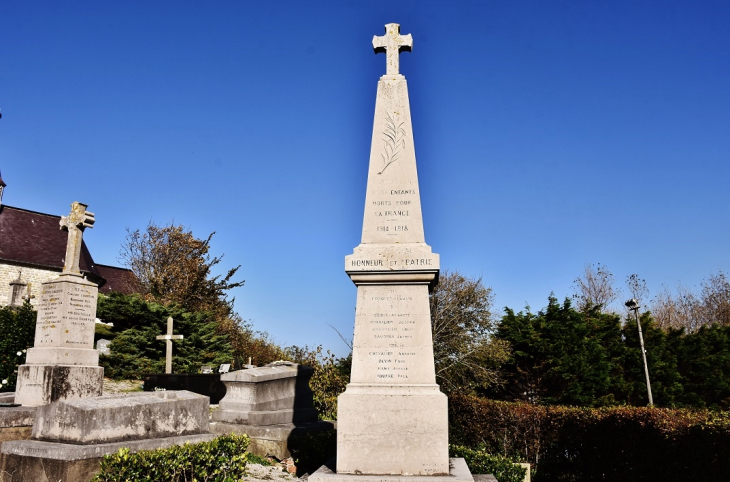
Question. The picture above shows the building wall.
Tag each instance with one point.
(33, 276)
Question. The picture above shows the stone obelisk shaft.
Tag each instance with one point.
(392, 418)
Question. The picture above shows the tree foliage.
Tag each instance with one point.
(173, 266)
(17, 331)
(135, 350)
(467, 357)
(564, 356)
(691, 310)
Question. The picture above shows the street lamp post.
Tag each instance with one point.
(633, 305)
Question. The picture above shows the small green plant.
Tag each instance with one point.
(481, 462)
(257, 459)
(220, 460)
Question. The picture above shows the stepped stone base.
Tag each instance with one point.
(458, 472)
(24, 460)
(271, 440)
(43, 384)
(16, 423)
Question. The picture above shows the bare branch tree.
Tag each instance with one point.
(594, 288)
(461, 316)
(637, 288)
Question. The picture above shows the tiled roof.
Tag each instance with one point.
(121, 280)
(35, 239)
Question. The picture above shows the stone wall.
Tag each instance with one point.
(33, 276)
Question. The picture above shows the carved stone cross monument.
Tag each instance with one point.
(75, 223)
(392, 418)
(168, 338)
(63, 363)
(392, 42)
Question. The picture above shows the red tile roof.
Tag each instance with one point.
(34, 239)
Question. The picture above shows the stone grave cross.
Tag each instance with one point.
(75, 223)
(393, 42)
(168, 338)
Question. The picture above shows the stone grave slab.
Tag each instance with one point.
(69, 437)
(270, 404)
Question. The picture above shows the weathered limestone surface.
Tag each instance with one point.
(63, 363)
(274, 394)
(392, 418)
(116, 418)
(458, 472)
(271, 404)
(70, 437)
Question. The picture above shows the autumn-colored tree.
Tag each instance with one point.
(173, 266)
(467, 357)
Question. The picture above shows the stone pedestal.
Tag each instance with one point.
(63, 363)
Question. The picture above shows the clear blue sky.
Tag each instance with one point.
(548, 135)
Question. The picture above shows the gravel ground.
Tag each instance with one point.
(258, 473)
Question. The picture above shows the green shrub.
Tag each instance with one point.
(17, 331)
(608, 444)
(220, 460)
(481, 462)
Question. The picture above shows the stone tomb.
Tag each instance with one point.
(392, 419)
(70, 437)
(270, 404)
(63, 363)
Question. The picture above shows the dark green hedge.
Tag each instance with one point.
(607, 444)
(221, 460)
(17, 331)
(481, 462)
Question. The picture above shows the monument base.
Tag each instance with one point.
(393, 430)
(16, 423)
(43, 384)
(271, 440)
(458, 472)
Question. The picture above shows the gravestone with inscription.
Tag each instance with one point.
(63, 363)
(392, 418)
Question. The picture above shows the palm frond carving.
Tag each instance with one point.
(394, 138)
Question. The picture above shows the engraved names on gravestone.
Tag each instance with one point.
(63, 362)
(169, 337)
(392, 418)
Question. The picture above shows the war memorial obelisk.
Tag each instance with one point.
(392, 418)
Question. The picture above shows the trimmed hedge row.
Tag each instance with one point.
(481, 462)
(608, 444)
(222, 459)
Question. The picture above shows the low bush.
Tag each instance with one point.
(481, 462)
(220, 460)
(17, 331)
(608, 444)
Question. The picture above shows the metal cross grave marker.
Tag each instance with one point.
(75, 223)
(392, 42)
(168, 338)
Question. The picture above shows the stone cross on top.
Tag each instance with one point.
(168, 338)
(77, 220)
(392, 43)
